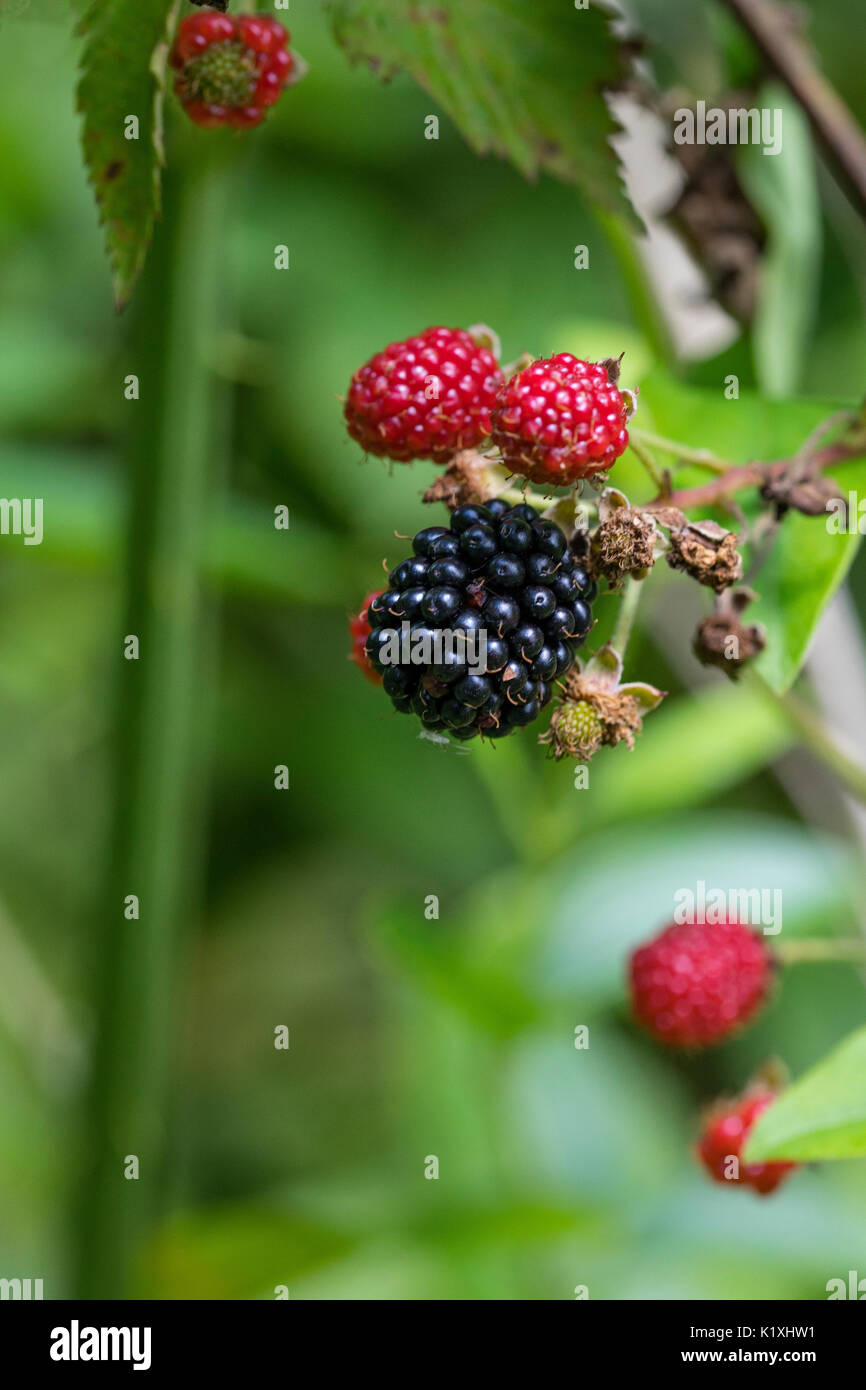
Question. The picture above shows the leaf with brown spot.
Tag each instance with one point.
(123, 74)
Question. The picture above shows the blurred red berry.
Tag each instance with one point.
(230, 70)
(723, 1138)
(197, 32)
(426, 397)
(261, 33)
(560, 420)
(695, 985)
(359, 630)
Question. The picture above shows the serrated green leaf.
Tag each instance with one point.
(123, 75)
(823, 1115)
(525, 81)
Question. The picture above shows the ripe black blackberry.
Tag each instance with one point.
(504, 574)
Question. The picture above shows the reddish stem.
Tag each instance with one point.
(749, 475)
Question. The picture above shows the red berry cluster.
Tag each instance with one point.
(560, 420)
(230, 69)
(427, 397)
(556, 421)
(725, 1133)
(694, 985)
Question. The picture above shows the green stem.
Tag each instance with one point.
(819, 739)
(647, 311)
(704, 458)
(821, 949)
(533, 499)
(161, 720)
(638, 449)
(626, 615)
(502, 770)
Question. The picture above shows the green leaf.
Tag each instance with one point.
(523, 80)
(807, 562)
(442, 963)
(804, 569)
(823, 1115)
(784, 189)
(691, 750)
(233, 1252)
(123, 75)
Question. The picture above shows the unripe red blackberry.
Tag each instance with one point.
(427, 397)
(695, 985)
(359, 631)
(559, 420)
(230, 69)
(725, 1132)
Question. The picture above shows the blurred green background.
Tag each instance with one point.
(409, 1037)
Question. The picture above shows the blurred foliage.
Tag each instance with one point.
(409, 1037)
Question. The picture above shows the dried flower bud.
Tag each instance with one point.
(707, 552)
(623, 544)
(466, 479)
(723, 640)
(808, 495)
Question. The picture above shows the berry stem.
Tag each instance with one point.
(818, 948)
(161, 709)
(641, 452)
(516, 495)
(791, 57)
(819, 739)
(704, 458)
(626, 615)
(647, 310)
(746, 475)
(503, 772)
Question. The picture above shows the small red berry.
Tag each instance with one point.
(205, 114)
(359, 631)
(261, 33)
(273, 77)
(230, 70)
(694, 985)
(426, 397)
(560, 420)
(197, 32)
(724, 1135)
